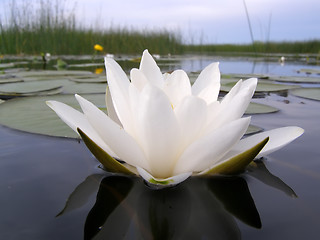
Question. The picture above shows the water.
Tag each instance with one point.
(39, 173)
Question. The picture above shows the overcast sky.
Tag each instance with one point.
(206, 21)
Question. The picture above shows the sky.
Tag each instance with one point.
(202, 21)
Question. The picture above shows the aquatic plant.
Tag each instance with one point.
(166, 130)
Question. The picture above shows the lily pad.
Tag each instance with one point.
(31, 114)
(97, 79)
(86, 65)
(310, 71)
(253, 129)
(29, 87)
(50, 92)
(10, 80)
(85, 88)
(244, 76)
(309, 93)
(263, 86)
(6, 65)
(257, 108)
(295, 79)
(52, 73)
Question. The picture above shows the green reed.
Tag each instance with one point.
(50, 29)
(298, 47)
(46, 27)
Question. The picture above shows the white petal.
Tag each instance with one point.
(233, 108)
(207, 85)
(138, 79)
(119, 88)
(210, 149)
(116, 68)
(192, 116)
(159, 132)
(234, 90)
(177, 86)
(110, 108)
(134, 96)
(278, 138)
(150, 69)
(75, 119)
(163, 182)
(213, 111)
(113, 135)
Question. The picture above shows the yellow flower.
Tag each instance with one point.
(99, 70)
(98, 47)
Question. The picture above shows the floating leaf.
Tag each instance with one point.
(295, 79)
(90, 80)
(310, 71)
(31, 114)
(257, 108)
(86, 65)
(6, 65)
(263, 86)
(244, 76)
(253, 129)
(10, 80)
(50, 92)
(52, 73)
(29, 87)
(310, 93)
(85, 88)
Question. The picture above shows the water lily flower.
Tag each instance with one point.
(165, 129)
(98, 47)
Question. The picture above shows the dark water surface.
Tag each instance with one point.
(277, 198)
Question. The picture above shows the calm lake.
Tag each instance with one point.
(53, 188)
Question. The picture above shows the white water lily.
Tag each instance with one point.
(165, 130)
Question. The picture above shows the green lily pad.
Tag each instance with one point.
(309, 93)
(253, 129)
(52, 73)
(29, 87)
(295, 79)
(50, 92)
(85, 88)
(257, 108)
(10, 80)
(86, 65)
(310, 71)
(31, 114)
(263, 86)
(244, 76)
(6, 65)
(97, 79)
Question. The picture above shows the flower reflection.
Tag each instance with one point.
(203, 208)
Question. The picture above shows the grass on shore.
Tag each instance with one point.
(46, 27)
(298, 47)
